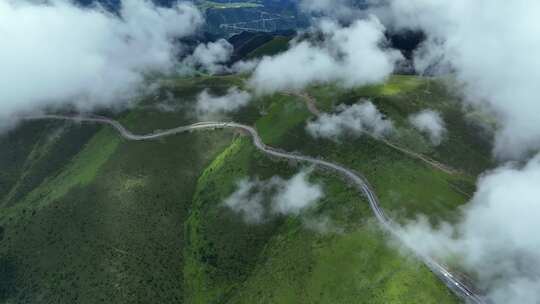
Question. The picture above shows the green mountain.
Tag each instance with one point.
(89, 217)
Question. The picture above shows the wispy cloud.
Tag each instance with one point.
(497, 236)
(347, 55)
(490, 46)
(258, 200)
(351, 120)
(247, 200)
(431, 123)
(56, 53)
(232, 101)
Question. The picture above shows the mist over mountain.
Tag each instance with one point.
(269, 151)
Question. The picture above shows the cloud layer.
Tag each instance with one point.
(491, 45)
(256, 200)
(431, 123)
(247, 200)
(351, 120)
(232, 101)
(296, 194)
(350, 56)
(58, 53)
(211, 57)
(497, 238)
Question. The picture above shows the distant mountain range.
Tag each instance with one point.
(229, 17)
(262, 19)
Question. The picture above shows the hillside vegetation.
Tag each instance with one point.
(89, 217)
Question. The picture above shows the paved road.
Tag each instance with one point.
(312, 107)
(461, 288)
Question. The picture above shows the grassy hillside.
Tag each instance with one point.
(109, 226)
(467, 146)
(251, 45)
(351, 261)
(105, 224)
(285, 260)
(88, 217)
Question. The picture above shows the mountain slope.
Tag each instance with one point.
(109, 227)
(89, 217)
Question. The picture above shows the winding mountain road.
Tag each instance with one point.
(462, 289)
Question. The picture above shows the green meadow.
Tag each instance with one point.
(89, 217)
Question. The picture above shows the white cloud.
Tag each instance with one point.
(322, 225)
(497, 237)
(58, 53)
(350, 56)
(247, 201)
(232, 101)
(491, 45)
(354, 120)
(284, 197)
(296, 195)
(245, 66)
(431, 123)
(211, 57)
